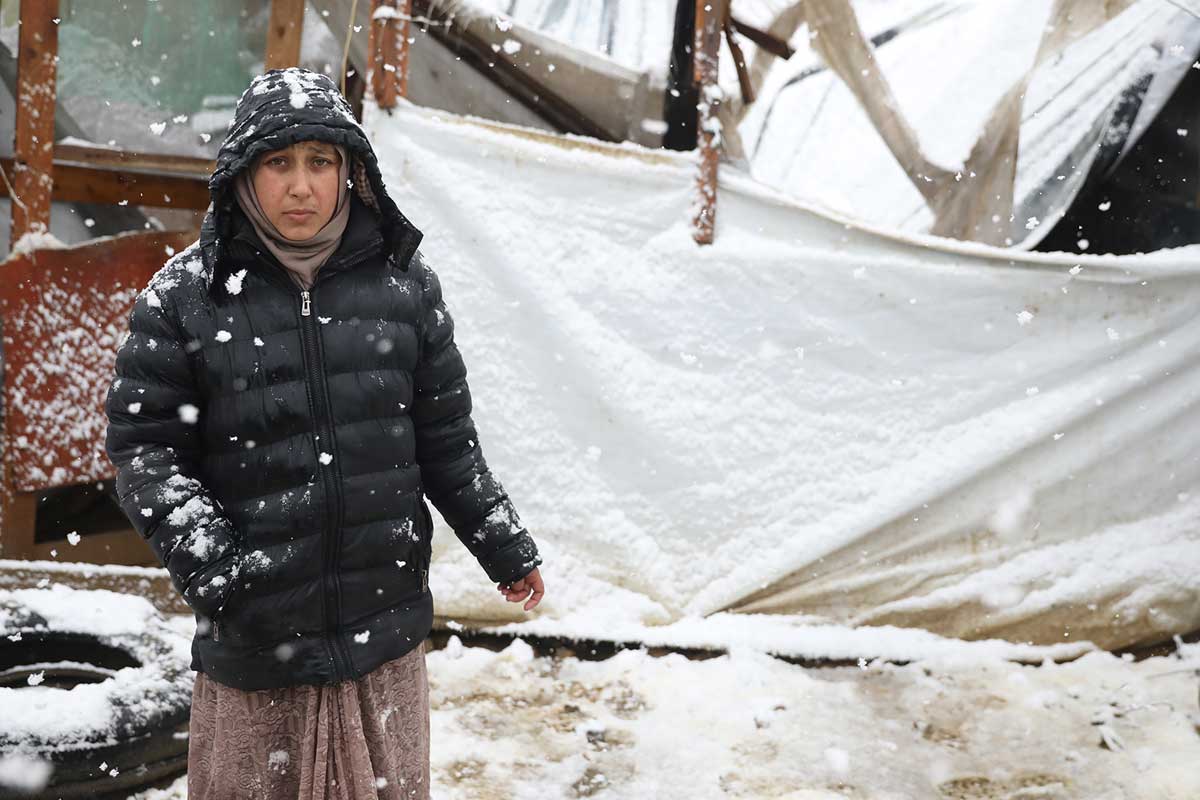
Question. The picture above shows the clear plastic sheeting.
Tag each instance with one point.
(810, 418)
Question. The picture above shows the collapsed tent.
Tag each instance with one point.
(1062, 86)
(810, 418)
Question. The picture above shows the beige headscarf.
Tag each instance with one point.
(302, 258)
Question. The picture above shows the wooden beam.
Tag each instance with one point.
(739, 61)
(284, 33)
(710, 15)
(60, 315)
(79, 184)
(33, 145)
(159, 163)
(449, 31)
(389, 51)
(154, 583)
(764, 39)
(506, 73)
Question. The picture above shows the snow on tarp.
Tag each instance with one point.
(810, 417)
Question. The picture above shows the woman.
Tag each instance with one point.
(288, 391)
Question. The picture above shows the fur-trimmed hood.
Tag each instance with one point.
(278, 109)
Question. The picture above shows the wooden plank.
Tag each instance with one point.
(451, 32)
(389, 51)
(149, 581)
(455, 35)
(284, 32)
(710, 15)
(108, 158)
(78, 184)
(739, 62)
(18, 512)
(37, 75)
(63, 313)
(125, 546)
(402, 25)
(764, 39)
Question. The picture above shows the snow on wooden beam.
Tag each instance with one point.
(710, 16)
(283, 34)
(33, 141)
(388, 46)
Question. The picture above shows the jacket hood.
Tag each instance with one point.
(278, 109)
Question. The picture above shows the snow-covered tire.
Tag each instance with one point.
(111, 693)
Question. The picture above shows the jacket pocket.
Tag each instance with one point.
(218, 619)
(426, 544)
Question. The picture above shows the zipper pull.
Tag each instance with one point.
(216, 631)
(305, 308)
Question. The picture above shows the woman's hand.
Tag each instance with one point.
(518, 590)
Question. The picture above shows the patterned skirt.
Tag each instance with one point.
(366, 739)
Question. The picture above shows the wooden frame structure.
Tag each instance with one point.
(57, 362)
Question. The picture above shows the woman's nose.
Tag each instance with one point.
(301, 186)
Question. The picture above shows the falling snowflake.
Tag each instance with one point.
(224, 336)
(36, 678)
(362, 638)
(325, 458)
(1024, 318)
(189, 413)
(1112, 334)
(157, 128)
(73, 538)
(134, 408)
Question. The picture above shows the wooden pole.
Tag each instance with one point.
(388, 47)
(33, 140)
(739, 62)
(710, 16)
(284, 33)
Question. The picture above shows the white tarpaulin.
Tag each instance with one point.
(808, 418)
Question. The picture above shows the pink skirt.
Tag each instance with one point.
(357, 740)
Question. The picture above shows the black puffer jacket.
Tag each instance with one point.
(273, 445)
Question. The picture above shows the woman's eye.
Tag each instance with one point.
(321, 161)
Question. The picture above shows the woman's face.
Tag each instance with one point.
(298, 187)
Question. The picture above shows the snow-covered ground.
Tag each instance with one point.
(959, 722)
(511, 724)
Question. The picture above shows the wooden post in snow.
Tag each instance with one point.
(283, 34)
(388, 47)
(710, 16)
(33, 141)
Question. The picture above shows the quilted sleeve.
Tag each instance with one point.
(153, 410)
(455, 476)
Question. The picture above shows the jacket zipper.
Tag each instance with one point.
(318, 397)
